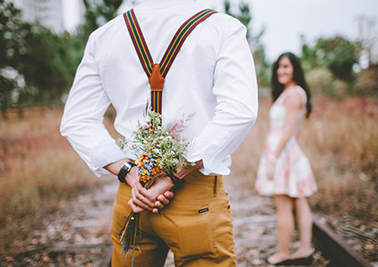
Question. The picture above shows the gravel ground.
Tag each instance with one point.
(78, 233)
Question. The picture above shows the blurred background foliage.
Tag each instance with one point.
(38, 66)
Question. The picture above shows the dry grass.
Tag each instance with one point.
(342, 144)
(341, 141)
(38, 168)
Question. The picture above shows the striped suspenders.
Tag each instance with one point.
(156, 72)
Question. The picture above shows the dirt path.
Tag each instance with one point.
(78, 234)
(255, 227)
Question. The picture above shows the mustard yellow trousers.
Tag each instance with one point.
(196, 225)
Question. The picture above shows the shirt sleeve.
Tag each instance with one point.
(235, 89)
(82, 122)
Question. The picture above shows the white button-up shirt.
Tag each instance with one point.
(212, 77)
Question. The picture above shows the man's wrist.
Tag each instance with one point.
(177, 182)
(125, 169)
(168, 180)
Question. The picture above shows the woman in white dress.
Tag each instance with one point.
(284, 171)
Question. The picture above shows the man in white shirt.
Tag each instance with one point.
(213, 77)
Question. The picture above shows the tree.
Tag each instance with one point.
(309, 58)
(7, 86)
(245, 17)
(367, 82)
(44, 61)
(97, 14)
(336, 54)
(339, 56)
(262, 67)
(10, 47)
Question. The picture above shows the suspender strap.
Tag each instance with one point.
(139, 42)
(180, 37)
(156, 72)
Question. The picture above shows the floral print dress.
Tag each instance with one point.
(292, 175)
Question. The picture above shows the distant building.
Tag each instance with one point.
(48, 12)
(366, 31)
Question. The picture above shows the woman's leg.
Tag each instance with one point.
(285, 226)
(304, 221)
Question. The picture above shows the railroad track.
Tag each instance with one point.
(328, 242)
(334, 248)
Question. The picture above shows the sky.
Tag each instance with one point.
(286, 20)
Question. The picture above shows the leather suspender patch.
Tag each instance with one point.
(156, 72)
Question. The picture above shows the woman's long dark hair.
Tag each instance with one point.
(298, 78)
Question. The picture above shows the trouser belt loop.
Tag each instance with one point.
(215, 185)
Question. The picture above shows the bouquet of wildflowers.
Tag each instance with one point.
(158, 150)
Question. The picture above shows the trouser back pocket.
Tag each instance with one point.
(190, 231)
